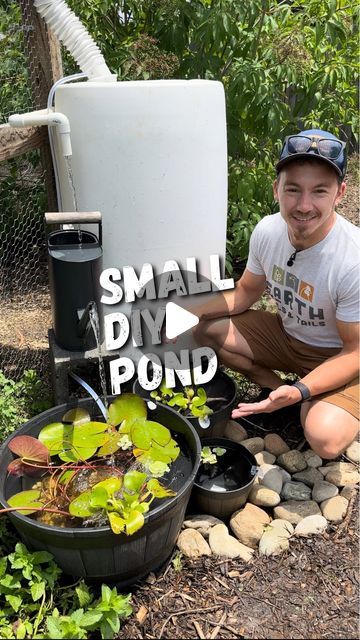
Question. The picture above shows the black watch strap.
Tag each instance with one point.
(304, 390)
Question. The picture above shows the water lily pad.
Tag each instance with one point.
(160, 434)
(76, 416)
(111, 485)
(140, 434)
(99, 497)
(128, 407)
(28, 499)
(158, 490)
(29, 449)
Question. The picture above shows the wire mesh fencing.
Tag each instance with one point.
(24, 298)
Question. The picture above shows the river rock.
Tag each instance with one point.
(263, 497)
(273, 542)
(264, 457)
(275, 444)
(294, 511)
(309, 476)
(348, 491)
(292, 461)
(286, 476)
(283, 527)
(353, 452)
(342, 473)
(225, 545)
(323, 491)
(296, 491)
(269, 476)
(201, 523)
(312, 458)
(248, 524)
(334, 509)
(254, 445)
(192, 544)
(235, 431)
(311, 525)
(324, 470)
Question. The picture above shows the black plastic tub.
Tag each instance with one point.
(224, 503)
(97, 553)
(220, 386)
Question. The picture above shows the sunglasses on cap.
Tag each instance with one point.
(325, 147)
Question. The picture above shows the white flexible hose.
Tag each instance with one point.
(75, 37)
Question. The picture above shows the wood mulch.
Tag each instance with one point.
(309, 592)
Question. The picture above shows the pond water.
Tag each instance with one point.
(227, 474)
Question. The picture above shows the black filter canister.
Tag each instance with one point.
(75, 265)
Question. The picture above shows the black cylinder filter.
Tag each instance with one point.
(75, 265)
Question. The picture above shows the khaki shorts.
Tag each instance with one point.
(273, 348)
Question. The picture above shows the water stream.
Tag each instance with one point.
(73, 192)
(95, 324)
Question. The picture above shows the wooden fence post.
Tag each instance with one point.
(43, 56)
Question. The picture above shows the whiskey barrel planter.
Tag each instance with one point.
(221, 385)
(97, 553)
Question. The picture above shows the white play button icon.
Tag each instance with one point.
(178, 320)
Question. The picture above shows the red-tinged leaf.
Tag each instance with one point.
(19, 468)
(30, 448)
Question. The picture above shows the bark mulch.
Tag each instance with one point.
(309, 592)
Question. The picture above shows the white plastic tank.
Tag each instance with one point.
(152, 157)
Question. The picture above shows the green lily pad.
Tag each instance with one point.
(140, 434)
(128, 407)
(76, 416)
(98, 498)
(111, 485)
(158, 490)
(28, 499)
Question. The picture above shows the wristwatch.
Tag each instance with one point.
(304, 390)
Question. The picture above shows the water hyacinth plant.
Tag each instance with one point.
(94, 472)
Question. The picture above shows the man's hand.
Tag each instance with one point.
(283, 396)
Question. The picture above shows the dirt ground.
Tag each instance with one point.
(310, 592)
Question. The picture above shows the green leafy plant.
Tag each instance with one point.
(210, 455)
(20, 400)
(34, 604)
(76, 449)
(188, 402)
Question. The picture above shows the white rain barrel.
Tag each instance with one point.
(152, 157)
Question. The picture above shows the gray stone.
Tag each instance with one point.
(263, 497)
(334, 509)
(248, 524)
(348, 491)
(323, 490)
(270, 476)
(292, 461)
(312, 458)
(342, 473)
(201, 523)
(311, 525)
(264, 457)
(235, 431)
(310, 476)
(353, 452)
(286, 476)
(222, 544)
(296, 491)
(275, 444)
(254, 445)
(273, 542)
(294, 511)
(192, 544)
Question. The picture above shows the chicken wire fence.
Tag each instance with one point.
(24, 297)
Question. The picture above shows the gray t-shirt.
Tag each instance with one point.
(322, 285)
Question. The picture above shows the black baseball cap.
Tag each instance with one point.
(316, 143)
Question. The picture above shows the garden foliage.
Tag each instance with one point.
(285, 65)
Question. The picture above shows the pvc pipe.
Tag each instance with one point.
(75, 37)
(49, 118)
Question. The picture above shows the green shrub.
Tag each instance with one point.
(20, 401)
